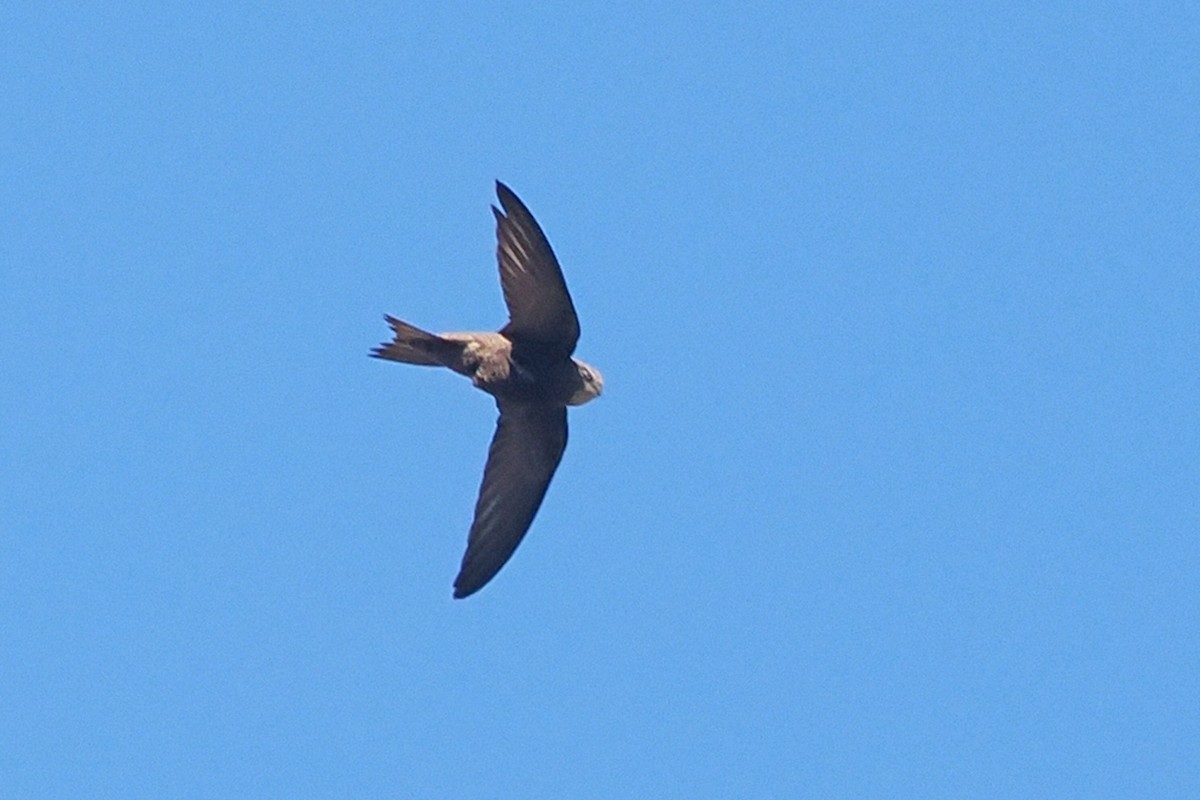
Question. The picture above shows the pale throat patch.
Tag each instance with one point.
(593, 385)
(583, 394)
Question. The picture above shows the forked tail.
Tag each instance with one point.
(415, 346)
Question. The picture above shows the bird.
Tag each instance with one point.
(528, 368)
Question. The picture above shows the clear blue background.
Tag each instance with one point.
(894, 490)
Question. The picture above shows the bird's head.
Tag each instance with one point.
(591, 384)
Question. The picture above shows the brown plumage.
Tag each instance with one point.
(527, 366)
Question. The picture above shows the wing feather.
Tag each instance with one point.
(526, 448)
(541, 315)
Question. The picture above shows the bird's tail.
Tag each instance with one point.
(415, 346)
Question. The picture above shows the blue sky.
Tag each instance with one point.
(894, 489)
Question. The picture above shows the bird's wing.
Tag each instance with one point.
(541, 316)
(525, 450)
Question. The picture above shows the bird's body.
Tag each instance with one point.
(488, 360)
(527, 366)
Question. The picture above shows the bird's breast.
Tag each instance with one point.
(510, 379)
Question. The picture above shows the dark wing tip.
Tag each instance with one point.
(509, 200)
(469, 582)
